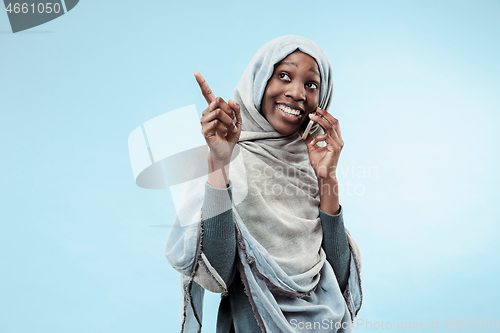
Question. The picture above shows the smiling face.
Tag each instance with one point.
(292, 92)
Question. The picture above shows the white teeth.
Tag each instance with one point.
(289, 111)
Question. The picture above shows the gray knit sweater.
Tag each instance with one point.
(219, 245)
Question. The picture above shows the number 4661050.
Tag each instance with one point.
(24, 8)
(479, 324)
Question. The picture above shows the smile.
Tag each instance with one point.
(289, 111)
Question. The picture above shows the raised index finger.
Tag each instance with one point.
(205, 88)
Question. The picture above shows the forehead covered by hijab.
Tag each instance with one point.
(261, 67)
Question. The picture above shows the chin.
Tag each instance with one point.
(304, 124)
(288, 131)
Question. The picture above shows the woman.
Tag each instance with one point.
(271, 221)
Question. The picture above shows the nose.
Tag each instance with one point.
(296, 91)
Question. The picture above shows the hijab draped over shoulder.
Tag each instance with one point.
(274, 198)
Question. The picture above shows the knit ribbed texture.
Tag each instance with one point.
(216, 201)
(219, 233)
(219, 246)
(336, 245)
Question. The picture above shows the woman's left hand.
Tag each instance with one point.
(324, 160)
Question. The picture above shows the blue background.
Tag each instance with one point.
(417, 95)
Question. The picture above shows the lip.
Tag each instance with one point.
(292, 106)
(290, 119)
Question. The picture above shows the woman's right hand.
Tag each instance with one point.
(220, 123)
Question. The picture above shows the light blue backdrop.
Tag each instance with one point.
(417, 95)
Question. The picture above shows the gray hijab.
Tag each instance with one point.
(275, 201)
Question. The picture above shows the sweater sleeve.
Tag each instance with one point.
(219, 234)
(336, 245)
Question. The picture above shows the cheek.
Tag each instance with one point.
(317, 99)
(314, 101)
(272, 89)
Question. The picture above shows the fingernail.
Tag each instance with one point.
(235, 129)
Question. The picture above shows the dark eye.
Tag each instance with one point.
(311, 85)
(284, 76)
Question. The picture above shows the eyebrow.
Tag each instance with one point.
(288, 63)
(314, 71)
(295, 65)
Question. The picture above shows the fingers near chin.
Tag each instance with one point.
(331, 119)
(323, 123)
(328, 125)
